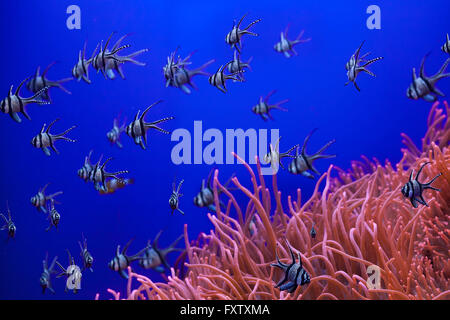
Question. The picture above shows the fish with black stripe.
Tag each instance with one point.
(238, 67)
(205, 197)
(45, 279)
(88, 260)
(116, 63)
(98, 175)
(38, 82)
(354, 66)
(303, 162)
(156, 258)
(10, 226)
(286, 46)
(53, 216)
(72, 270)
(40, 199)
(425, 87)
(81, 69)
(219, 78)
(14, 103)
(294, 273)
(263, 107)
(413, 189)
(446, 46)
(174, 197)
(172, 66)
(233, 38)
(121, 260)
(113, 135)
(100, 60)
(86, 169)
(45, 139)
(137, 130)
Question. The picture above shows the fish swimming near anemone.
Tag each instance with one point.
(14, 103)
(156, 258)
(40, 199)
(294, 273)
(274, 156)
(425, 87)
(234, 37)
(205, 197)
(45, 279)
(40, 81)
(9, 223)
(286, 46)
(138, 128)
(303, 162)
(45, 139)
(121, 260)
(263, 107)
(174, 197)
(358, 64)
(413, 189)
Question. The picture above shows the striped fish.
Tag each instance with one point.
(45, 139)
(121, 260)
(263, 107)
(88, 260)
(219, 78)
(205, 197)
(38, 82)
(14, 103)
(40, 199)
(172, 66)
(86, 169)
(446, 46)
(286, 46)
(303, 163)
(425, 87)
(81, 69)
(413, 189)
(294, 273)
(233, 38)
(137, 130)
(237, 66)
(113, 135)
(46, 274)
(53, 216)
(10, 226)
(98, 175)
(174, 197)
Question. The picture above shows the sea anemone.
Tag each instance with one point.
(361, 220)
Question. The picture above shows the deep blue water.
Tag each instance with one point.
(34, 33)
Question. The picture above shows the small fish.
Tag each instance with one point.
(98, 175)
(10, 226)
(138, 128)
(413, 188)
(205, 197)
(45, 139)
(174, 197)
(233, 38)
(100, 60)
(121, 261)
(156, 258)
(303, 162)
(14, 103)
(446, 47)
(81, 69)
(274, 156)
(173, 66)
(219, 78)
(53, 216)
(116, 64)
(85, 171)
(113, 135)
(354, 67)
(38, 82)
(73, 271)
(40, 199)
(294, 273)
(263, 107)
(313, 231)
(88, 260)
(286, 46)
(112, 185)
(425, 87)
(238, 67)
(182, 76)
(46, 274)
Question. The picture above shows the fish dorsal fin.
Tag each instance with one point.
(118, 251)
(286, 31)
(299, 260)
(38, 69)
(303, 152)
(95, 51)
(124, 250)
(10, 91)
(358, 50)
(290, 250)
(422, 67)
(240, 21)
(104, 163)
(414, 74)
(45, 187)
(107, 41)
(48, 68)
(209, 178)
(155, 241)
(266, 99)
(51, 124)
(411, 175)
(224, 66)
(146, 110)
(84, 51)
(20, 86)
(43, 128)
